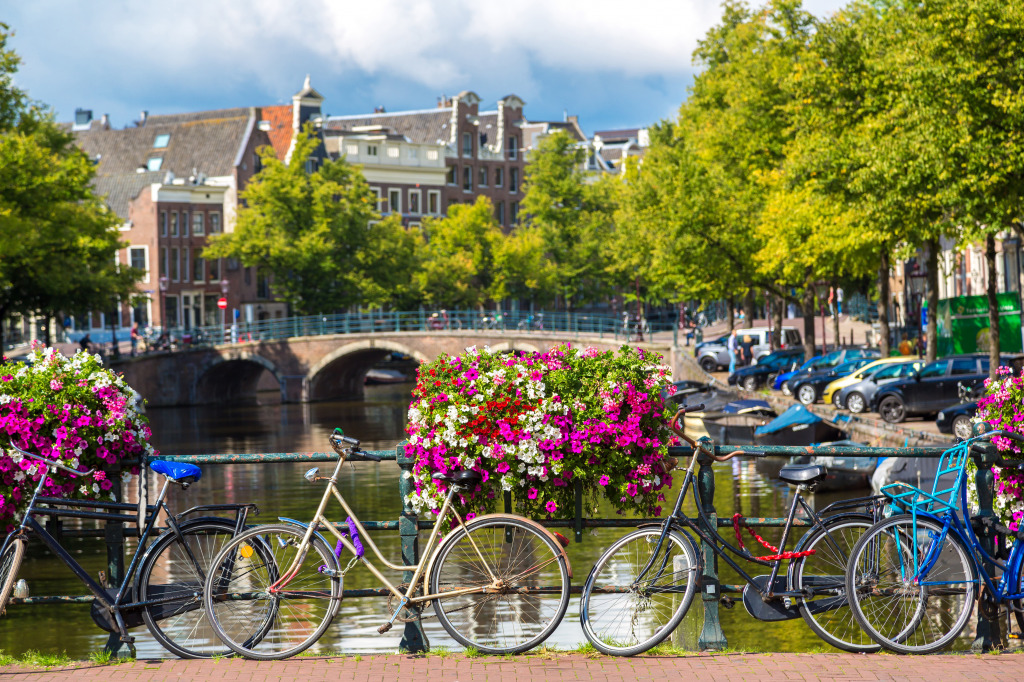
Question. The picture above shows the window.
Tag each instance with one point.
(467, 145)
(376, 192)
(175, 273)
(214, 223)
(467, 179)
(414, 153)
(433, 202)
(170, 311)
(214, 269)
(482, 182)
(163, 261)
(154, 163)
(414, 202)
(160, 141)
(248, 276)
(198, 228)
(352, 149)
(499, 177)
(184, 264)
(965, 366)
(233, 264)
(453, 175)
(262, 286)
(393, 152)
(414, 226)
(513, 148)
(174, 223)
(163, 223)
(514, 211)
(371, 150)
(432, 155)
(137, 259)
(184, 223)
(500, 209)
(934, 369)
(395, 200)
(513, 180)
(199, 269)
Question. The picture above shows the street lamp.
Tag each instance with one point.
(821, 291)
(164, 281)
(223, 305)
(918, 285)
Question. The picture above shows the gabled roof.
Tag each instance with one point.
(426, 126)
(280, 132)
(201, 142)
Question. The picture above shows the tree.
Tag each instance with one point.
(310, 231)
(58, 241)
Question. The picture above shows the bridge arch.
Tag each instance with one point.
(513, 346)
(233, 377)
(342, 371)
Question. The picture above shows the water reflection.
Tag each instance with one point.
(371, 490)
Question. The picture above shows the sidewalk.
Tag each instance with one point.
(552, 667)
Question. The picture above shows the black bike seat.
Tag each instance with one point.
(802, 475)
(465, 477)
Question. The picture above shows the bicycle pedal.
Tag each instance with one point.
(727, 602)
(384, 628)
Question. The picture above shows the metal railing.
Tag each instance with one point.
(414, 640)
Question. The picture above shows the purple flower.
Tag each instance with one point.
(532, 494)
(604, 480)
(551, 506)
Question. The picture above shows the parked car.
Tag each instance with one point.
(827, 361)
(808, 388)
(713, 355)
(957, 419)
(831, 392)
(932, 388)
(857, 397)
(754, 376)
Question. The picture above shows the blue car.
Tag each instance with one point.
(820, 362)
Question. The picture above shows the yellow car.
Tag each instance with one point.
(832, 390)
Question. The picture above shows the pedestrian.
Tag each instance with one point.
(906, 347)
(733, 346)
(747, 350)
(85, 342)
(135, 337)
(839, 300)
(832, 301)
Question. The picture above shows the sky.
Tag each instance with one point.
(614, 63)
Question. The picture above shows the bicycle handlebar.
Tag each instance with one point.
(340, 442)
(51, 463)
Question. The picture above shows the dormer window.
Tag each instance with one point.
(154, 163)
(161, 140)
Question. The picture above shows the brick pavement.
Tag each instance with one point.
(550, 668)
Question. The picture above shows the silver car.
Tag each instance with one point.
(713, 356)
(857, 397)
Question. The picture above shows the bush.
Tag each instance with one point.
(538, 423)
(68, 409)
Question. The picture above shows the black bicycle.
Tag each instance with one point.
(640, 589)
(163, 585)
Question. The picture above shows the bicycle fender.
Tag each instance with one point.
(485, 517)
(305, 526)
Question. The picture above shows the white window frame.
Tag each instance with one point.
(198, 226)
(434, 197)
(380, 199)
(467, 153)
(175, 262)
(185, 273)
(145, 258)
(415, 202)
(174, 224)
(163, 223)
(371, 150)
(394, 152)
(394, 206)
(216, 227)
(185, 217)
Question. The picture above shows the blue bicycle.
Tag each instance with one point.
(913, 578)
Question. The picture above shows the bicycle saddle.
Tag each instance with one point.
(802, 475)
(464, 477)
(176, 470)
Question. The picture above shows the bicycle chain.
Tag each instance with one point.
(392, 606)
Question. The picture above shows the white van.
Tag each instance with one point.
(713, 356)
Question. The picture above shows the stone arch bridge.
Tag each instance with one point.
(323, 367)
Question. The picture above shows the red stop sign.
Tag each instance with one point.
(222, 303)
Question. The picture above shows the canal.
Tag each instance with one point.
(372, 490)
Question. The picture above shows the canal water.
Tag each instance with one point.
(372, 491)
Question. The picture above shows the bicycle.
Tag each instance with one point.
(914, 576)
(168, 574)
(642, 586)
(499, 583)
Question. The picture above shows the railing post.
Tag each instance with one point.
(711, 637)
(114, 533)
(414, 640)
(984, 481)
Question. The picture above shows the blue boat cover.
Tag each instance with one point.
(796, 414)
(176, 470)
(737, 406)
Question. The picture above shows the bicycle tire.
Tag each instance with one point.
(827, 611)
(616, 617)
(878, 561)
(504, 544)
(10, 563)
(252, 622)
(181, 626)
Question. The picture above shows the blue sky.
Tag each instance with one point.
(614, 63)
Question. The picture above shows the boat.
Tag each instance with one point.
(844, 473)
(734, 422)
(384, 376)
(796, 426)
(918, 472)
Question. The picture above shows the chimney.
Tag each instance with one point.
(142, 118)
(105, 122)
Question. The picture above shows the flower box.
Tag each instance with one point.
(542, 425)
(1002, 407)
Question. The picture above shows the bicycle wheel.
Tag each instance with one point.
(624, 615)
(173, 573)
(533, 590)
(10, 562)
(823, 574)
(904, 614)
(257, 618)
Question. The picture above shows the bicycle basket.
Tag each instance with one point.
(945, 489)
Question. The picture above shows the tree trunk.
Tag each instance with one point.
(749, 302)
(808, 310)
(47, 336)
(883, 303)
(835, 315)
(993, 306)
(931, 350)
(731, 314)
(777, 315)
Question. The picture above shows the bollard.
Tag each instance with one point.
(414, 640)
(711, 637)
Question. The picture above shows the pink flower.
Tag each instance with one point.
(631, 489)
(604, 480)
(551, 506)
(532, 494)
